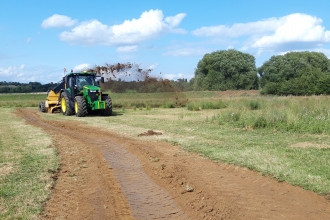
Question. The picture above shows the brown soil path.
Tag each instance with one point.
(107, 176)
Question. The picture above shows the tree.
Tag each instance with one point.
(295, 73)
(226, 70)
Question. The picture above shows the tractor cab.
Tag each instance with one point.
(84, 80)
(77, 81)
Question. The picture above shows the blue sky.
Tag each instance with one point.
(39, 38)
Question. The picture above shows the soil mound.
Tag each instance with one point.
(150, 133)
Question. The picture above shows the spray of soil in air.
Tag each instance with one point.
(125, 77)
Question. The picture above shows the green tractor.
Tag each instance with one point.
(79, 94)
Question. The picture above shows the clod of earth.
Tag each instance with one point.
(150, 133)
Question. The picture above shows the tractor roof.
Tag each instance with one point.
(81, 73)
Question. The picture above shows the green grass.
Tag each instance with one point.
(26, 157)
(200, 105)
(157, 100)
(21, 100)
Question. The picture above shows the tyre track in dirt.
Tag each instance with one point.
(146, 199)
(219, 191)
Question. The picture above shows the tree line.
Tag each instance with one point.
(294, 73)
(16, 87)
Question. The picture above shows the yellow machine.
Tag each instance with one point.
(52, 104)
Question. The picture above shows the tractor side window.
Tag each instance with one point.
(70, 82)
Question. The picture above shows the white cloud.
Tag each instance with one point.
(153, 66)
(150, 25)
(28, 40)
(82, 67)
(127, 49)
(294, 31)
(174, 21)
(25, 74)
(173, 76)
(239, 29)
(17, 74)
(12, 70)
(58, 21)
(298, 28)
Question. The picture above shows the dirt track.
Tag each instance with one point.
(106, 176)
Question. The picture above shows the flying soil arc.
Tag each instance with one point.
(78, 93)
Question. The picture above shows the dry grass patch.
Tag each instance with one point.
(6, 168)
(310, 145)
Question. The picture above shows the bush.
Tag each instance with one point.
(270, 88)
(213, 105)
(193, 107)
(168, 105)
(255, 105)
(138, 105)
(261, 122)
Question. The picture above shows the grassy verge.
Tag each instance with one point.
(26, 157)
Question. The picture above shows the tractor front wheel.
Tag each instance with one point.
(80, 106)
(65, 106)
(108, 109)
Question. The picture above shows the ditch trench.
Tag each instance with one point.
(104, 175)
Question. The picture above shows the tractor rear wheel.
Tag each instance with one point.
(108, 109)
(65, 106)
(80, 106)
(42, 106)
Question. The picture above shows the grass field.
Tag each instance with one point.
(128, 100)
(21, 100)
(26, 157)
(284, 137)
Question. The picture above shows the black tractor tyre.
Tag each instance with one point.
(65, 106)
(80, 106)
(108, 109)
(42, 107)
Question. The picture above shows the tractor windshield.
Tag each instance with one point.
(83, 80)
